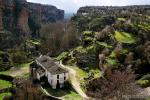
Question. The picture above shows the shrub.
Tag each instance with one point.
(146, 77)
(113, 86)
(143, 83)
(124, 37)
(87, 33)
(121, 19)
(63, 56)
(67, 85)
(96, 24)
(19, 57)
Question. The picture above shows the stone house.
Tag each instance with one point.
(46, 67)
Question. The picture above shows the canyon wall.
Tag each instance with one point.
(15, 14)
(114, 10)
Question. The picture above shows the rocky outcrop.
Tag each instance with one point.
(15, 14)
(23, 20)
(109, 10)
(46, 13)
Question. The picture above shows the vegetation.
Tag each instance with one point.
(72, 96)
(63, 56)
(101, 48)
(4, 84)
(55, 41)
(65, 94)
(3, 95)
(119, 42)
(121, 19)
(124, 37)
(144, 81)
(108, 87)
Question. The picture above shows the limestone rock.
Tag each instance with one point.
(14, 14)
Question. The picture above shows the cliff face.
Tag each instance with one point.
(109, 10)
(45, 13)
(15, 14)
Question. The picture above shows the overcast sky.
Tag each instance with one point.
(73, 5)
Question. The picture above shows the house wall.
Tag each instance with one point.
(52, 79)
(49, 77)
(38, 76)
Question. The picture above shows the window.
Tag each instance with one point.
(57, 76)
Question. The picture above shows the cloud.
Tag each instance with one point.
(73, 5)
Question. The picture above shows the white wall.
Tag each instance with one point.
(52, 79)
(49, 77)
(38, 76)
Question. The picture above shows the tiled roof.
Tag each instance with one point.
(50, 65)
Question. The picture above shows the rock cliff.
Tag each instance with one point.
(114, 10)
(15, 14)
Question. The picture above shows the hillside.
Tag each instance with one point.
(106, 49)
(116, 41)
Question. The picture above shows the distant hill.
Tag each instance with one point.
(68, 16)
(114, 10)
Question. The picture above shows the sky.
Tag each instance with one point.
(71, 6)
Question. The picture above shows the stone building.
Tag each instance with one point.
(46, 67)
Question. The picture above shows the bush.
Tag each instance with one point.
(19, 57)
(63, 55)
(67, 85)
(87, 33)
(113, 86)
(124, 37)
(143, 83)
(98, 24)
(146, 77)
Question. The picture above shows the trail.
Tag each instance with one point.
(74, 82)
(19, 71)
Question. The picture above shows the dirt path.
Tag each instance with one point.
(74, 82)
(19, 71)
(147, 91)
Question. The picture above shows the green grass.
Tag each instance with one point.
(62, 56)
(72, 96)
(144, 26)
(17, 65)
(103, 44)
(64, 94)
(85, 50)
(2, 95)
(5, 72)
(4, 84)
(88, 33)
(36, 42)
(121, 19)
(23, 65)
(143, 83)
(124, 37)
